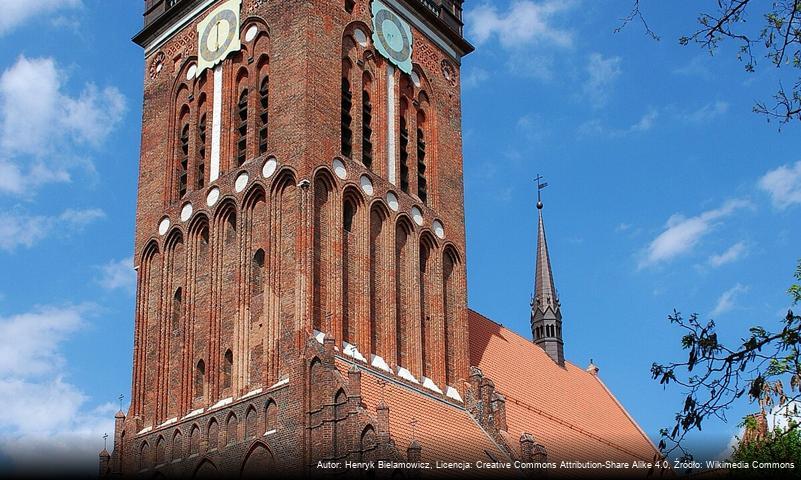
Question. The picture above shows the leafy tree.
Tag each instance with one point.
(775, 36)
(765, 368)
(779, 445)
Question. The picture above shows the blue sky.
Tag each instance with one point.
(666, 191)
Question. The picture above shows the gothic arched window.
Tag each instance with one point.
(242, 129)
(177, 445)
(367, 125)
(183, 164)
(200, 378)
(271, 416)
(422, 183)
(231, 430)
(200, 169)
(257, 278)
(228, 368)
(348, 213)
(264, 103)
(347, 119)
(404, 146)
(177, 307)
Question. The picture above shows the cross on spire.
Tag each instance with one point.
(413, 424)
(540, 185)
(120, 398)
(105, 441)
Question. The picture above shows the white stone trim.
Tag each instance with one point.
(216, 124)
(454, 394)
(379, 363)
(193, 413)
(391, 123)
(429, 384)
(222, 403)
(280, 382)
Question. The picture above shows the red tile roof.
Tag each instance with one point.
(447, 432)
(568, 410)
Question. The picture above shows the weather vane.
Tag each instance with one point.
(105, 441)
(540, 185)
(120, 398)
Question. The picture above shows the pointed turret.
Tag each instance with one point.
(546, 314)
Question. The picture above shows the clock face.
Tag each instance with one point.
(392, 36)
(218, 35)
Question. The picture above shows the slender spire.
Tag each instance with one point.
(544, 290)
(546, 315)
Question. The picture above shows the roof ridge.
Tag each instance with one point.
(526, 340)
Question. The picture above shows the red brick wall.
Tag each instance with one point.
(366, 286)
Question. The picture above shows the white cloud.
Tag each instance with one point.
(681, 234)
(698, 66)
(18, 229)
(17, 12)
(78, 219)
(529, 29)
(43, 129)
(525, 23)
(42, 411)
(601, 73)
(533, 126)
(727, 299)
(783, 184)
(118, 274)
(645, 123)
(707, 113)
(28, 341)
(732, 254)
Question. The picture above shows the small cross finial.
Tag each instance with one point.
(105, 441)
(540, 185)
(120, 398)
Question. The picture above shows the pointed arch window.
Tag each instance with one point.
(242, 129)
(177, 307)
(264, 103)
(404, 152)
(367, 130)
(422, 183)
(347, 119)
(349, 212)
(200, 379)
(228, 368)
(271, 416)
(200, 171)
(183, 165)
(231, 430)
(257, 278)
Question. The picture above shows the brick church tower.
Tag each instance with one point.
(300, 245)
